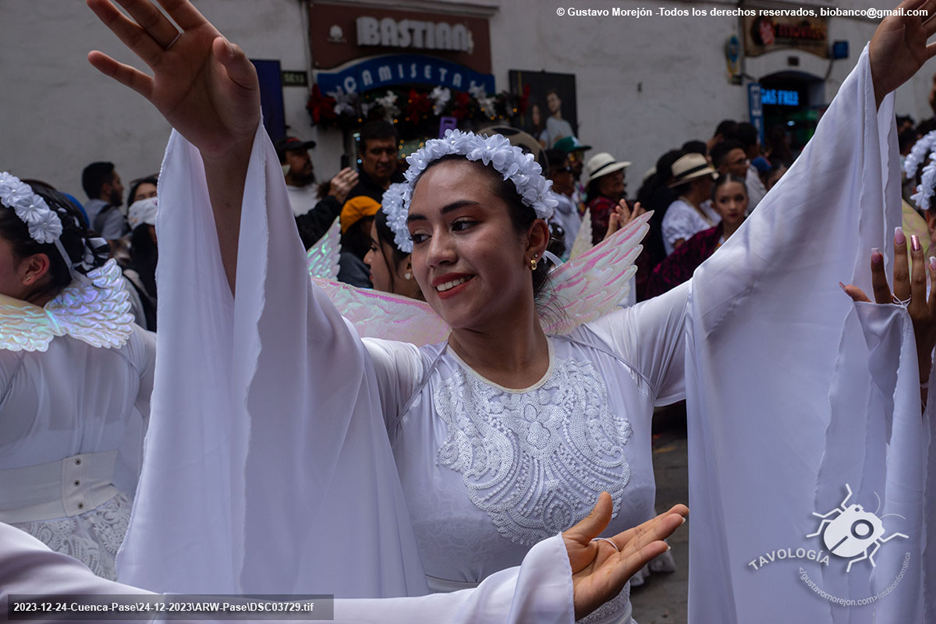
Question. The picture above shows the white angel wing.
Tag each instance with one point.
(594, 283)
(96, 311)
(377, 314)
(324, 254)
(24, 327)
(583, 239)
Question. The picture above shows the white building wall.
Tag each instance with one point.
(644, 85)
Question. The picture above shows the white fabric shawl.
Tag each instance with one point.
(308, 502)
(794, 393)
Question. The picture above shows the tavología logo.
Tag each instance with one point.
(848, 532)
(852, 531)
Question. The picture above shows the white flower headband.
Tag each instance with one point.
(494, 151)
(918, 154)
(927, 186)
(44, 224)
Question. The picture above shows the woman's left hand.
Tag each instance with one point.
(909, 288)
(600, 570)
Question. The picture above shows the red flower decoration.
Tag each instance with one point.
(320, 106)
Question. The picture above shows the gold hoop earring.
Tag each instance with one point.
(533, 263)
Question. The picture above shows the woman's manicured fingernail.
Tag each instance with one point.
(899, 237)
(915, 242)
(932, 264)
(683, 521)
(876, 256)
(842, 286)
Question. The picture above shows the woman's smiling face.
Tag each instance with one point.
(472, 265)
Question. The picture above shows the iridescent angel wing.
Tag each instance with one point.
(377, 314)
(583, 239)
(324, 254)
(96, 311)
(24, 327)
(594, 283)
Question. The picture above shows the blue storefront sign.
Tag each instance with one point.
(386, 71)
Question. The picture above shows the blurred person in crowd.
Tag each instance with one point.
(749, 138)
(729, 157)
(357, 217)
(697, 147)
(566, 213)
(538, 125)
(76, 380)
(299, 173)
(556, 127)
(144, 255)
(141, 188)
(692, 212)
(656, 195)
(729, 198)
(576, 153)
(726, 129)
(778, 146)
(378, 150)
(102, 185)
(773, 176)
(605, 187)
(391, 269)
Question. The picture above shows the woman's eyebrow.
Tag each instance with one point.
(445, 209)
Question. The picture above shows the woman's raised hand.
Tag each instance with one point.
(600, 570)
(202, 84)
(899, 49)
(909, 290)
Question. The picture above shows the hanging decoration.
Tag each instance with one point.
(415, 109)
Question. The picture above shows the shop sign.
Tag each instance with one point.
(391, 33)
(764, 34)
(340, 34)
(386, 71)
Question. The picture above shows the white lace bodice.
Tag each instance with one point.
(528, 458)
(488, 471)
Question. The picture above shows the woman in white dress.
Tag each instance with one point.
(75, 380)
(502, 434)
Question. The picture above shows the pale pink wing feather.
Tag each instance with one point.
(377, 314)
(594, 283)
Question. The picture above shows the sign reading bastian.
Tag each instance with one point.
(339, 34)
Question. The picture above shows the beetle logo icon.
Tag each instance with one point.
(851, 531)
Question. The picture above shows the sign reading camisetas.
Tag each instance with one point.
(341, 33)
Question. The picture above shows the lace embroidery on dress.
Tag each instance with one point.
(534, 461)
(92, 538)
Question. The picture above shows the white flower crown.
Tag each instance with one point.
(918, 154)
(927, 186)
(44, 225)
(494, 151)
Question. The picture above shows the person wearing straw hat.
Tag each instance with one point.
(605, 187)
(692, 211)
